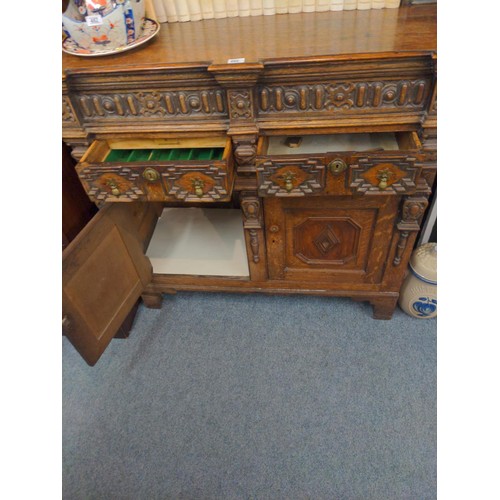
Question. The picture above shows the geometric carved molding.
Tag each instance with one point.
(326, 240)
(102, 183)
(290, 178)
(67, 111)
(124, 183)
(342, 97)
(240, 104)
(399, 175)
(153, 104)
(183, 183)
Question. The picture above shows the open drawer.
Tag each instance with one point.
(183, 170)
(340, 164)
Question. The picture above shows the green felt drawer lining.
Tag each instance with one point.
(182, 154)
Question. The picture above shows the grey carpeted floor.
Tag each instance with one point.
(254, 397)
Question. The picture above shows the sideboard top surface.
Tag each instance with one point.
(356, 34)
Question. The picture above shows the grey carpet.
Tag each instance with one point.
(221, 396)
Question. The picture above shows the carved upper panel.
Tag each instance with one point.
(245, 100)
(152, 104)
(341, 97)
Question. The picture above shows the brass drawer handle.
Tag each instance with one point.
(289, 178)
(337, 166)
(198, 185)
(151, 175)
(114, 187)
(383, 176)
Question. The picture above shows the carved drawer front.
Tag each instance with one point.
(195, 170)
(384, 174)
(339, 164)
(290, 177)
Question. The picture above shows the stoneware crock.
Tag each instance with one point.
(418, 295)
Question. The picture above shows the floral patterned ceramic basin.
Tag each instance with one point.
(102, 26)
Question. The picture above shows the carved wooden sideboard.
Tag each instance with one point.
(322, 141)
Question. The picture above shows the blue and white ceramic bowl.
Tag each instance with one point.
(98, 24)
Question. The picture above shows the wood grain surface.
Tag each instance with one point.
(263, 38)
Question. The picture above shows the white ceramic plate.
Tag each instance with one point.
(150, 29)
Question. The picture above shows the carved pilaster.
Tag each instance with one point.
(254, 244)
(251, 208)
(239, 82)
(402, 242)
(411, 214)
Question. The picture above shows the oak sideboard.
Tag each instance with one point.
(287, 154)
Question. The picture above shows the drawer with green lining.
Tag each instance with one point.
(158, 170)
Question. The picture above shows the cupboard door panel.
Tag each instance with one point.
(329, 239)
(104, 273)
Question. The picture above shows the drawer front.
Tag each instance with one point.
(156, 183)
(180, 181)
(383, 174)
(290, 177)
(375, 171)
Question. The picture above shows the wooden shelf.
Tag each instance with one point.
(199, 241)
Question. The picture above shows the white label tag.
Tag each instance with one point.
(236, 61)
(95, 20)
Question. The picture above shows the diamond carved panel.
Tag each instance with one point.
(326, 240)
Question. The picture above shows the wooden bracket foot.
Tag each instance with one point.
(383, 308)
(152, 300)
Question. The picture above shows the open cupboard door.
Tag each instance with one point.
(105, 271)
